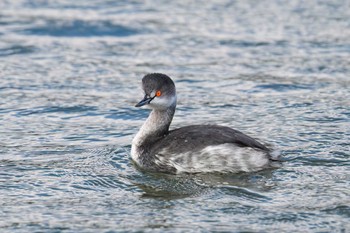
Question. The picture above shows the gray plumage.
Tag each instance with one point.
(196, 137)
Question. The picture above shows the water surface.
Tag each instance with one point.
(70, 75)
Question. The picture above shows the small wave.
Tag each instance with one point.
(243, 43)
(80, 28)
(285, 87)
(53, 109)
(16, 49)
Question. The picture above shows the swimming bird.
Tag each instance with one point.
(193, 148)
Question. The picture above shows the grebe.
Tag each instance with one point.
(194, 148)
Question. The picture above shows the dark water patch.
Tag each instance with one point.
(285, 87)
(67, 5)
(84, 138)
(241, 209)
(80, 28)
(326, 162)
(326, 119)
(184, 109)
(286, 216)
(298, 105)
(184, 80)
(222, 106)
(342, 154)
(339, 210)
(85, 188)
(242, 43)
(244, 193)
(16, 49)
(336, 46)
(55, 109)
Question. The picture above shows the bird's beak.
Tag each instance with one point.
(146, 100)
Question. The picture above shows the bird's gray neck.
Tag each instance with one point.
(156, 126)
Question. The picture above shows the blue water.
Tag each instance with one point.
(70, 76)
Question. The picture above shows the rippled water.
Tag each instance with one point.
(69, 77)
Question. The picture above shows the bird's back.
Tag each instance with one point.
(197, 137)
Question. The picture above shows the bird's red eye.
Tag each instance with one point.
(158, 93)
